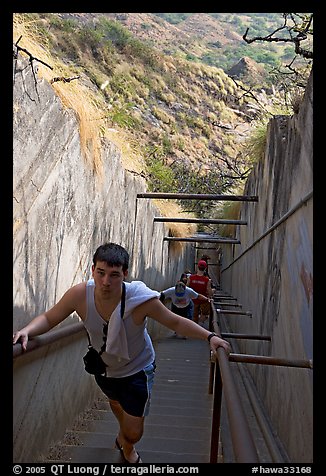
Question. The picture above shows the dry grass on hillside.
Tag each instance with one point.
(74, 95)
(170, 208)
(231, 211)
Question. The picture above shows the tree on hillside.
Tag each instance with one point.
(296, 29)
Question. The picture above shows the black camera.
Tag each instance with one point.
(93, 362)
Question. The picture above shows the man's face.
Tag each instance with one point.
(108, 279)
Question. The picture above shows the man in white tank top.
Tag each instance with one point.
(120, 337)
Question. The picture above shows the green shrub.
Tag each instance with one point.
(161, 176)
(123, 118)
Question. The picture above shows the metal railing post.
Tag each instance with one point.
(216, 420)
(211, 378)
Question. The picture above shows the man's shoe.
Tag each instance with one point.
(119, 447)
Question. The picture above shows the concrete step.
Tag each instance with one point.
(151, 431)
(177, 401)
(186, 392)
(154, 443)
(104, 455)
(171, 421)
(168, 410)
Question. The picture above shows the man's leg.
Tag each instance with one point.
(204, 311)
(196, 313)
(190, 310)
(181, 312)
(130, 432)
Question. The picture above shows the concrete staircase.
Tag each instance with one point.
(178, 427)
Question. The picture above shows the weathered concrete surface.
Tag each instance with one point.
(62, 212)
(273, 279)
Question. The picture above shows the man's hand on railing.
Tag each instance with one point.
(216, 342)
(21, 337)
(37, 326)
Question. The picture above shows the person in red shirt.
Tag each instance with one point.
(202, 285)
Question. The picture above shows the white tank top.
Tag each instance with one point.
(140, 347)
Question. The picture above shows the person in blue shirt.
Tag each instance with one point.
(181, 297)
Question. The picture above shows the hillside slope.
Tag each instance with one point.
(181, 124)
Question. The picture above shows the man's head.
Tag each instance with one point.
(110, 268)
(113, 255)
(180, 289)
(202, 265)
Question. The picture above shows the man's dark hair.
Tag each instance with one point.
(113, 255)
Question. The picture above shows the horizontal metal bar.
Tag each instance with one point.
(234, 335)
(206, 248)
(222, 297)
(209, 264)
(265, 360)
(222, 303)
(208, 240)
(232, 311)
(199, 196)
(48, 338)
(220, 221)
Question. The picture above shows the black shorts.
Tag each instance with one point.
(182, 311)
(132, 392)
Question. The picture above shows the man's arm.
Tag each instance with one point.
(49, 319)
(181, 325)
(194, 295)
(166, 294)
(209, 289)
(204, 298)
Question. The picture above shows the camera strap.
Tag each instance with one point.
(105, 327)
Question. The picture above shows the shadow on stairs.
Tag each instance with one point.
(178, 427)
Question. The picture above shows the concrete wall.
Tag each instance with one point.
(62, 213)
(273, 279)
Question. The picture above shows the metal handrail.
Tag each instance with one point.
(243, 445)
(272, 228)
(48, 338)
(198, 196)
(242, 441)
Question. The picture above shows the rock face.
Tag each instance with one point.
(275, 261)
(62, 212)
(247, 69)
